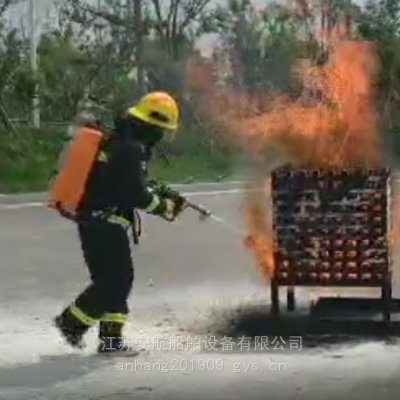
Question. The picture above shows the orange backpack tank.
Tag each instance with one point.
(68, 187)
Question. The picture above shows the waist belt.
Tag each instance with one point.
(109, 216)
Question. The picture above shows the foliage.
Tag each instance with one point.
(117, 50)
(28, 160)
(380, 22)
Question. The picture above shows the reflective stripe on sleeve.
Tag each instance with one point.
(154, 204)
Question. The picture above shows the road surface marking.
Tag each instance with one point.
(18, 206)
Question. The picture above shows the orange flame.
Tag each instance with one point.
(325, 127)
(260, 237)
(334, 124)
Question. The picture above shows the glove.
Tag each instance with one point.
(173, 206)
(158, 187)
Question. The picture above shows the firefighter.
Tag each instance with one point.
(118, 182)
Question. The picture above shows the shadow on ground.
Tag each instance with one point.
(50, 370)
(254, 322)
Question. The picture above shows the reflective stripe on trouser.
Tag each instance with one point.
(114, 317)
(107, 254)
(81, 316)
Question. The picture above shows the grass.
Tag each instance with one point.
(190, 169)
(27, 162)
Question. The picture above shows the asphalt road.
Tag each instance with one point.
(191, 279)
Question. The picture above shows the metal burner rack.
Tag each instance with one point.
(331, 228)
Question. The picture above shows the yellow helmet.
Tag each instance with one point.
(157, 108)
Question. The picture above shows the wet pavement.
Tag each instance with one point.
(194, 284)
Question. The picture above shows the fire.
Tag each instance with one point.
(334, 124)
(335, 115)
(260, 238)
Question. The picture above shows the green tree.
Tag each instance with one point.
(262, 42)
(380, 23)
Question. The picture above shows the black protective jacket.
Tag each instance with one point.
(118, 180)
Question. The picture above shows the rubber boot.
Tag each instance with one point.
(111, 339)
(71, 329)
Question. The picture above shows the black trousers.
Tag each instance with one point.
(106, 250)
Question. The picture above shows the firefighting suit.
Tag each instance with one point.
(117, 185)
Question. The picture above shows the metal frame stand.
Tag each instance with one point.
(386, 300)
(275, 301)
(332, 230)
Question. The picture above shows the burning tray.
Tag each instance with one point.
(331, 228)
